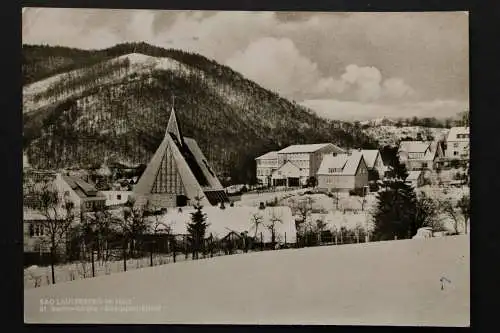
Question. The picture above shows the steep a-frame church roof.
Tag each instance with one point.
(173, 126)
(179, 167)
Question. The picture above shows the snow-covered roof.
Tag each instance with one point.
(82, 188)
(413, 175)
(458, 134)
(309, 148)
(272, 155)
(287, 170)
(429, 149)
(238, 219)
(348, 163)
(414, 146)
(370, 157)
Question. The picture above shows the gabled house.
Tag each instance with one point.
(374, 163)
(343, 172)
(83, 195)
(457, 143)
(307, 157)
(288, 175)
(419, 155)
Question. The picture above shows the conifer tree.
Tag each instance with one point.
(396, 212)
(197, 228)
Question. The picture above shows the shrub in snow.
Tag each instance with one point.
(35, 274)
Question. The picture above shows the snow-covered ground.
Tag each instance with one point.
(238, 219)
(384, 283)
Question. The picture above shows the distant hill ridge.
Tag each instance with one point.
(83, 107)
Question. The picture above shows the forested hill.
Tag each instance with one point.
(82, 108)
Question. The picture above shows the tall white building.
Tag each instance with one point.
(300, 162)
(266, 165)
(457, 143)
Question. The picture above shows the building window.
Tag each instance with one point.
(424, 165)
(36, 230)
(119, 197)
(455, 153)
(455, 145)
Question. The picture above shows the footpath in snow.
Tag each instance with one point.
(406, 282)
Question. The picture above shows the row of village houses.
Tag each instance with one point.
(84, 196)
(335, 168)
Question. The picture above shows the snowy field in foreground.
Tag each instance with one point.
(384, 283)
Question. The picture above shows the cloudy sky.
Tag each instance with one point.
(343, 65)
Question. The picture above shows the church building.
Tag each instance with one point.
(177, 174)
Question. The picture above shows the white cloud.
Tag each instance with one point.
(397, 88)
(366, 81)
(277, 64)
(367, 57)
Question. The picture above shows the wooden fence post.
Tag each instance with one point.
(92, 260)
(261, 241)
(174, 249)
(124, 256)
(285, 238)
(151, 253)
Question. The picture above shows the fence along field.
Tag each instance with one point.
(172, 249)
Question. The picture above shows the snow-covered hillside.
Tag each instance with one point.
(384, 283)
(138, 63)
(390, 135)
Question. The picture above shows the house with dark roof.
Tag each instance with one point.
(177, 173)
(83, 195)
(343, 172)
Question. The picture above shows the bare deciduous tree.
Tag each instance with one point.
(256, 220)
(132, 225)
(275, 218)
(464, 206)
(59, 215)
(320, 227)
(447, 208)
